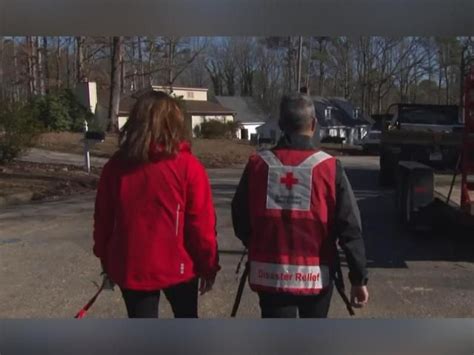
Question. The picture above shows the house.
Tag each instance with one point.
(198, 108)
(248, 113)
(337, 117)
(269, 131)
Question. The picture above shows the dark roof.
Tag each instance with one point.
(203, 107)
(246, 108)
(341, 113)
(348, 107)
(192, 107)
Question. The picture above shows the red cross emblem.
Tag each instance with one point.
(289, 180)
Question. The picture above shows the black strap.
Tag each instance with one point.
(339, 283)
(240, 290)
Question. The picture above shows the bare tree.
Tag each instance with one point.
(114, 106)
(80, 68)
(215, 73)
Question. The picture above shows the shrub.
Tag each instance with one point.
(233, 127)
(77, 112)
(217, 129)
(60, 111)
(18, 130)
(197, 131)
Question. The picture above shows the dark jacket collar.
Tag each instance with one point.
(295, 141)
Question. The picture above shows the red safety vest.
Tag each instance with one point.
(292, 203)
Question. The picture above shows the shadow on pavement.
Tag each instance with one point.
(388, 243)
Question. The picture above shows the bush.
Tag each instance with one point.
(233, 127)
(197, 131)
(217, 129)
(18, 130)
(60, 111)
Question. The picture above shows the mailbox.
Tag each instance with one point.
(95, 136)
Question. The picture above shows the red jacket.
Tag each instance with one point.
(292, 198)
(154, 223)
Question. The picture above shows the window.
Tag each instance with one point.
(189, 95)
(356, 113)
(328, 112)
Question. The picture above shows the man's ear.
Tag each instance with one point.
(313, 125)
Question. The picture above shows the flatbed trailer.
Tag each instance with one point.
(428, 200)
(435, 139)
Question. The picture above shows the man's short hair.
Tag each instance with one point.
(296, 113)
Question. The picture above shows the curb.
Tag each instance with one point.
(15, 199)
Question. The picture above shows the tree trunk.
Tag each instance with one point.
(122, 75)
(321, 67)
(446, 78)
(80, 70)
(45, 65)
(308, 70)
(170, 62)
(39, 67)
(30, 67)
(290, 64)
(379, 98)
(133, 65)
(16, 88)
(58, 62)
(116, 56)
(150, 60)
(140, 61)
(68, 65)
(415, 88)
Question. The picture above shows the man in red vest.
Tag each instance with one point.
(293, 205)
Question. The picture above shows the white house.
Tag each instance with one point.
(247, 111)
(198, 108)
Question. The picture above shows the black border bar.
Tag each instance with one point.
(450, 336)
(237, 17)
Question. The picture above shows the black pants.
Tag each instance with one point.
(279, 305)
(144, 304)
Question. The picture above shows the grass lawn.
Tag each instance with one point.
(214, 153)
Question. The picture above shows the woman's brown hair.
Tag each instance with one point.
(155, 119)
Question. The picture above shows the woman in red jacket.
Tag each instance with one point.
(154, 222)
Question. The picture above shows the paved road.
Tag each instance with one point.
(47, 268)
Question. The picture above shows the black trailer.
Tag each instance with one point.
(418, 206)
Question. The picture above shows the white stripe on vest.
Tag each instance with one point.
(290, 187)
(303, 277)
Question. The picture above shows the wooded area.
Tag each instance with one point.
(372, 72)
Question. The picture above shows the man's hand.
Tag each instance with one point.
(206, 284)
(359, 296)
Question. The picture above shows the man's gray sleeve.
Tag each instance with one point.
(240, 210)
(348, 228)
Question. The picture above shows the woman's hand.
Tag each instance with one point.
(206, 284)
